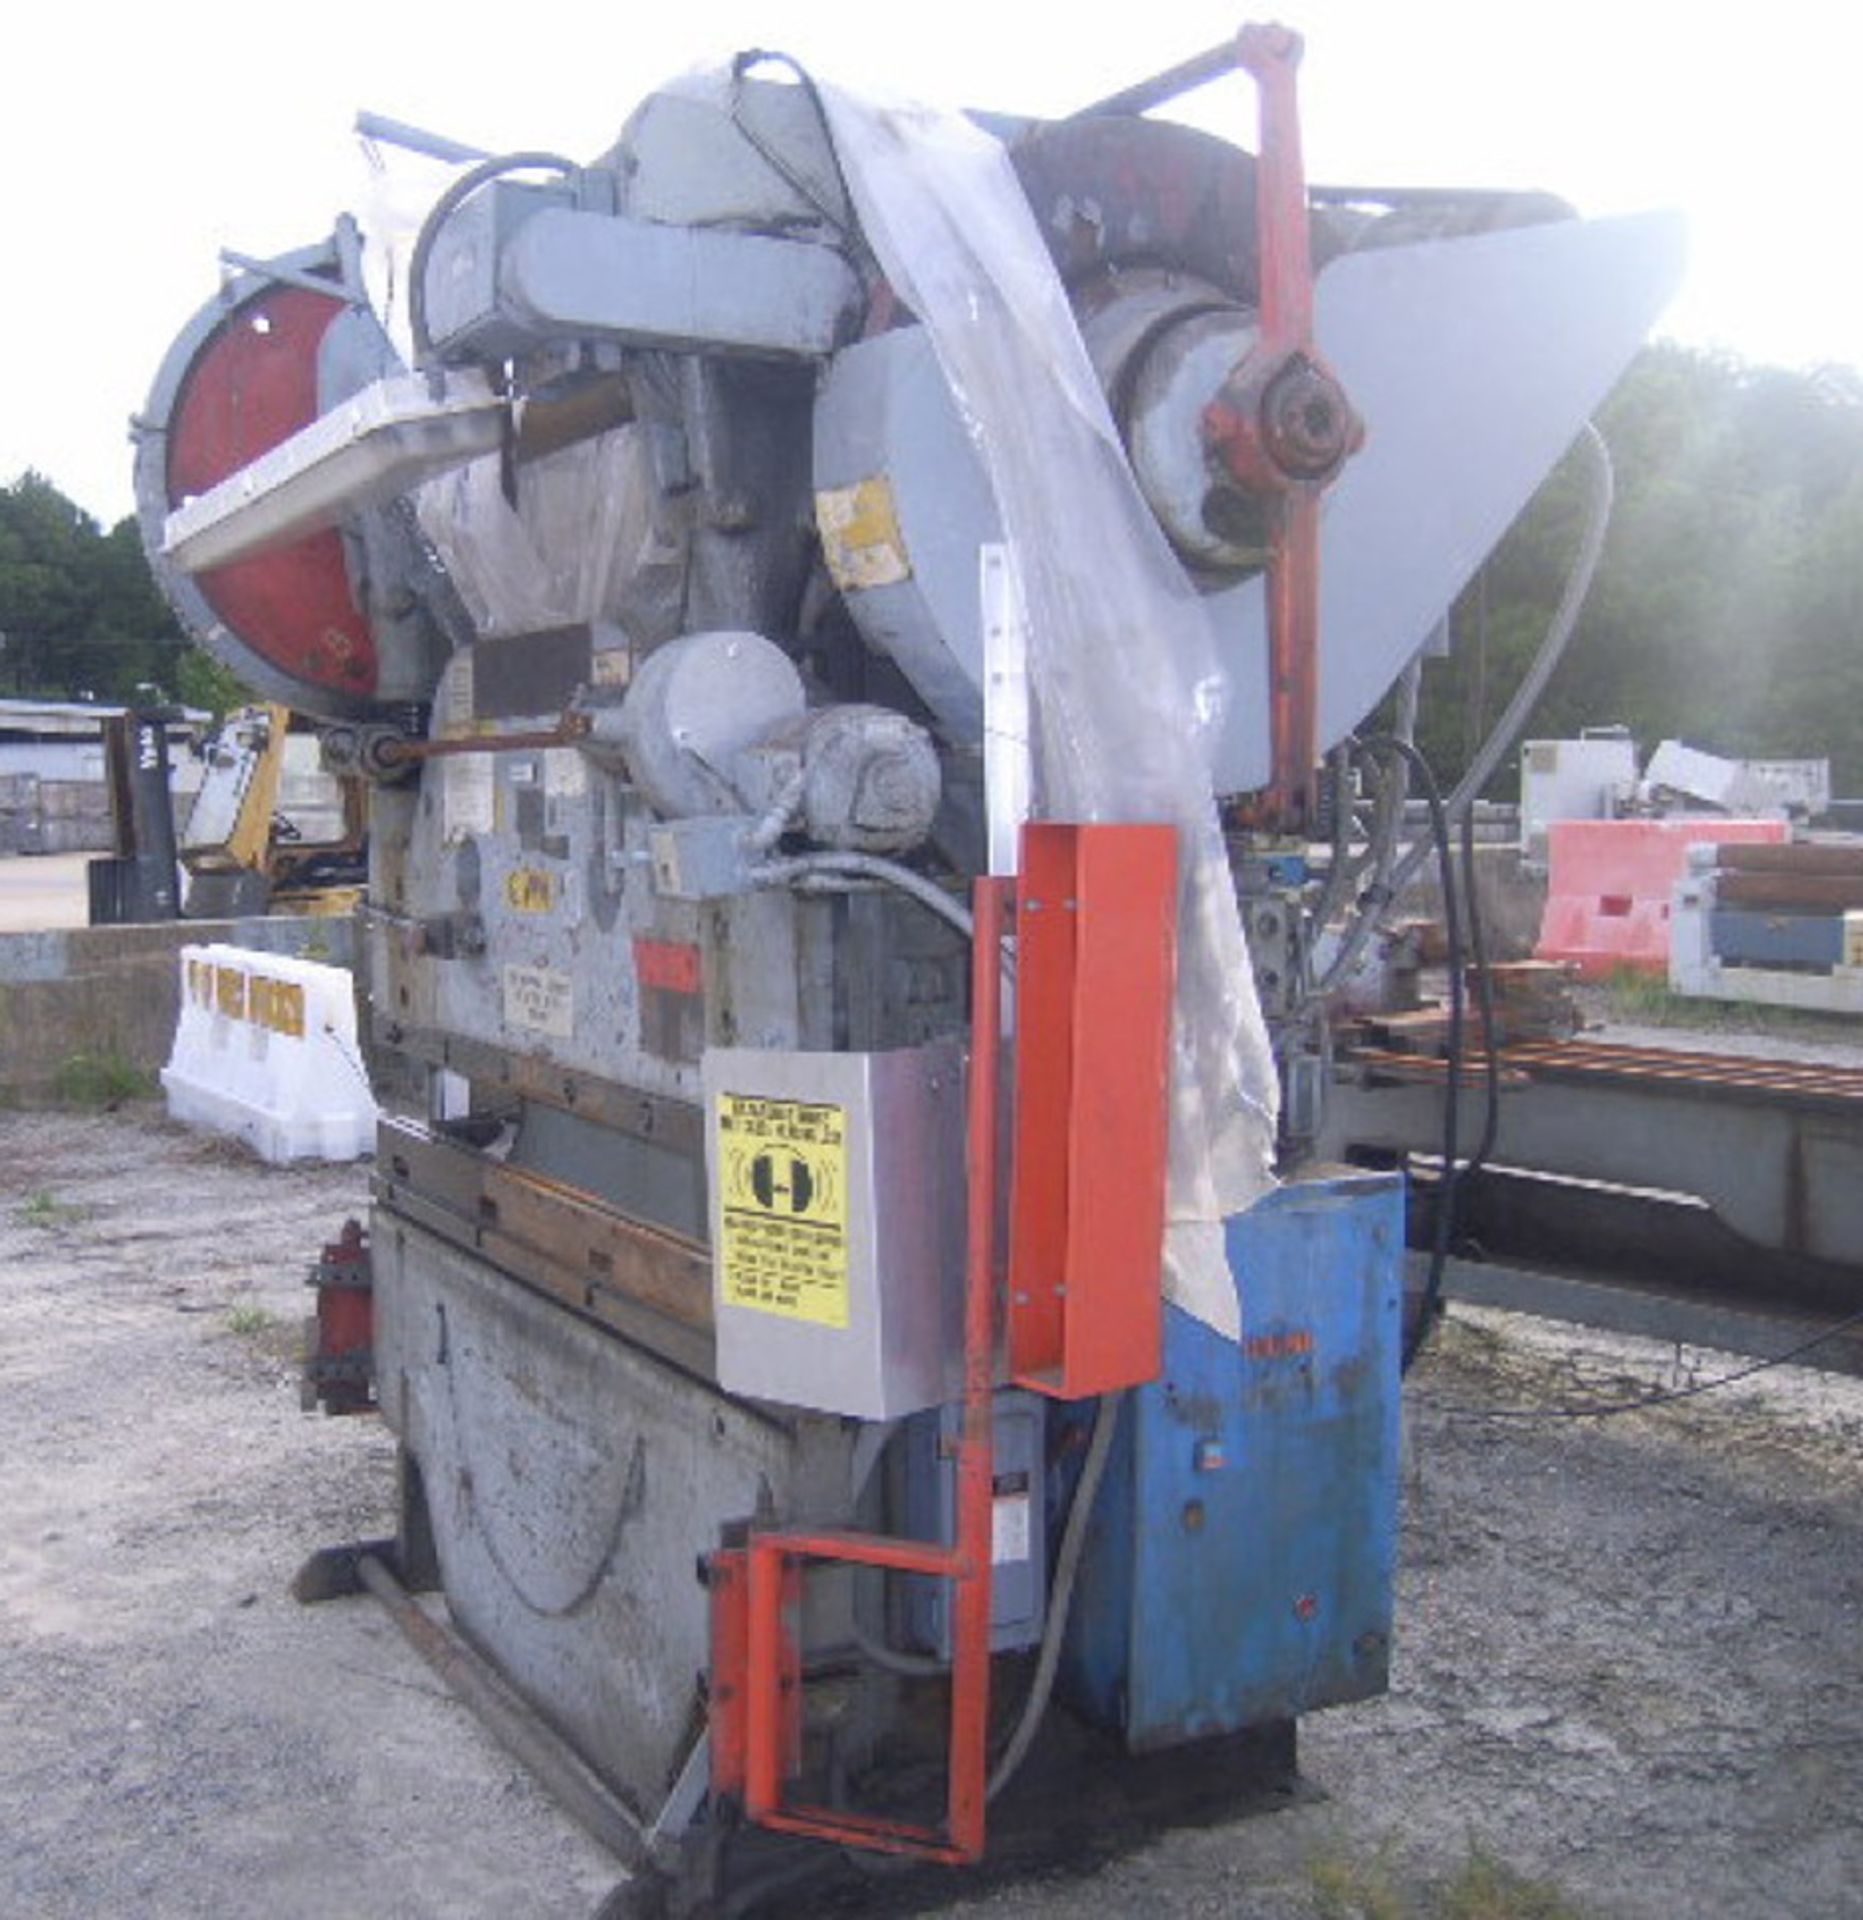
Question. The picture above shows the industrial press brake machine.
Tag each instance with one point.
(826, 599)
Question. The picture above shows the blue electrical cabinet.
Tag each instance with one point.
(1239, 1564)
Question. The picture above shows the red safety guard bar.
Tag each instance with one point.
(1283, 427)
(756, 1705)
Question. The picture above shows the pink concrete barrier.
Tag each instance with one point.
(1609, 884)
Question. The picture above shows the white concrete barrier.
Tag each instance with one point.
(265, 1050)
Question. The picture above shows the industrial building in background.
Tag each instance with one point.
(829, 603)
(55, 787)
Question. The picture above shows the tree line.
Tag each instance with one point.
(81, 617)
(1728, 608)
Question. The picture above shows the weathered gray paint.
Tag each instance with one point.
(574, 1484)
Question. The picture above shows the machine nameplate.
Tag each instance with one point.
(540, 1000)
(565, 773)
(783, 1164)
(468, 789)
(468, 796)
(1010, 1530)
(530, 890)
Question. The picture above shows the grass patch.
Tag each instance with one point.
(265, 1335)
(101, 1080)
(1484, 1888)
(1647, 1000)
(1489, 1889)
(1348, 1889)
(250, 1320)
(43, 1209)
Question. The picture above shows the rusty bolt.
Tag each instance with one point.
(1307, 426)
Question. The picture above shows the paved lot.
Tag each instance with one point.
(39, 890)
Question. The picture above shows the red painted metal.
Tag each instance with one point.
(1271, 54)
(756, 1639)
(252, 386)
(727, 1578)
(773, 1675)
(339, 1372)
(970, 1604)
(1293, 661)
(671, 965)
(1095, 969)
(1283, 428)
(886, 1550)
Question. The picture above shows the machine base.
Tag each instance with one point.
(1079, 1802)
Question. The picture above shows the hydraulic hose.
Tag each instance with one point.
(1392, 871)
(1443, 1224)
(1060, 1594)
(442, 210)
(835, 870)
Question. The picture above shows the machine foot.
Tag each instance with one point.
(1080, 1801)
(334, 1573)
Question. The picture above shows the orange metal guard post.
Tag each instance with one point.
(756, 1659)
(970, 1663)
(1283, 428)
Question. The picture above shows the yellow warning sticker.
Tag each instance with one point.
(530, 890)
(277, 1004)
(783, 1168)
(229, 992)
(861, 541)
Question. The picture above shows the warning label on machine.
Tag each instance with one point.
(540, 999)
(782, 1165)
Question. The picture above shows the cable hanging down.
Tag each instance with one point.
(1442, 1226)
(443, 209)
(1662, 1397)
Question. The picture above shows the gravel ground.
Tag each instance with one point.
(1630, 1660)
(180, 1737)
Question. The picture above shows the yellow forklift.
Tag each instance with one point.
(269, 831)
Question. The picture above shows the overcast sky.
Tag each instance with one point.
(136, 144)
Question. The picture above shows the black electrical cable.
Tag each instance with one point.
(1552, 648)
(1431, 1303)
(1667, 1396)
(1060, 1595)
(1484, 994)
(844, 222)
(449, 202)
